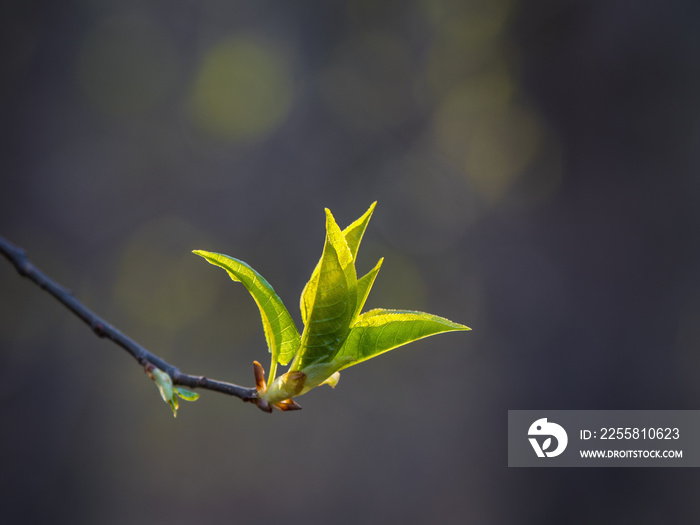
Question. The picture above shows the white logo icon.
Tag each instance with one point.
(543, 428)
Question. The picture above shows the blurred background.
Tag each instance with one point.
(536, 171)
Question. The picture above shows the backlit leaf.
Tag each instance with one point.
(336, 334)
(329, 300)
(364, 285)
(281, 333)
(353, 236)
(380, 330)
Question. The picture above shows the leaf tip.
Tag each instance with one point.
(457, 327)
(329, 216)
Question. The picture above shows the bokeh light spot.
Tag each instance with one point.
(242, 90)
(155, 284)
(461, 110)
(499, 148)
(465, 43)
(480, 128)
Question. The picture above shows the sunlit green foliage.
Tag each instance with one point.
(336, 334)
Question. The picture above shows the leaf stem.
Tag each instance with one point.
(273, 370)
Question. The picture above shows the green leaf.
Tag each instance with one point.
(185, 394)
(336, 334)
(353, 233)
(380, 330)
(163, 382)
(281, 333)
(332, 380)
(329, 300)
(165, 387)
(353, 236)
(364, 285)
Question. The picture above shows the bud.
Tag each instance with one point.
(168, 392)
(324, 373)
(284, 387)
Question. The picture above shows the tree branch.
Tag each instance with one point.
(102, 328)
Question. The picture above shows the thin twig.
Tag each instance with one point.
(102, 328)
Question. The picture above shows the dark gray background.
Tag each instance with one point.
(536, 166)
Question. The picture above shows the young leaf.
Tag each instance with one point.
(353, 233)
(380, 330)
(163, 382)
(329, 301)
(364, 285)
(336, 335)
(332, 380)
(185, 394)
(168, 392)
(281, 333)
(353, 236)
